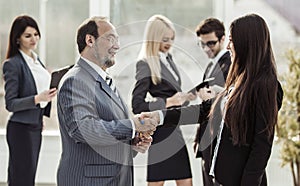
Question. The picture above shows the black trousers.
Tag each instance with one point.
(24, 143)
(207, 179)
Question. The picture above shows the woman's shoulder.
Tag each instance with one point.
(142, 69)
(15, 61)
(142, 63)
(271, 87)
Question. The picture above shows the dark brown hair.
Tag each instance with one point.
(210, 25)
(18, 27)
(253, 74)
(88, 27)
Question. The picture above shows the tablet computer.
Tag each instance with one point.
(56, 75)
(204, 83)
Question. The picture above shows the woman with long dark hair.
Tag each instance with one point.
(243, 117)
(250, 110)
(27, 97)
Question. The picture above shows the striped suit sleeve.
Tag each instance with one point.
(79, 113)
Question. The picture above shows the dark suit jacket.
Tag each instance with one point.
(220, 73)
(20, 90)
(95, 130)
(235, 165)
(166, 88)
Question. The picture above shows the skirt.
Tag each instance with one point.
(168, 156)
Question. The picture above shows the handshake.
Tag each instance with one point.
(146, 123)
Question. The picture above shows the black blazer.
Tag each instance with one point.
(220, 73)
(20, 90)
(236, 165)
(166, 88)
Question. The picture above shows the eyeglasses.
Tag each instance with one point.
(209, 44)
(112, 39)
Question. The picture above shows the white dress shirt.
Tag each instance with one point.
(215, 61)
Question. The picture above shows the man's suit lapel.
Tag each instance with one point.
(206, 75)
(103, 85)
(218, 67)
(215, 71)
(118, 100)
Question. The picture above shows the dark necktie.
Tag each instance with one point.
(170, 68)
(209, 66)
(110, 83)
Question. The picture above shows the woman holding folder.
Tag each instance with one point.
(27, 97)
(157, 74)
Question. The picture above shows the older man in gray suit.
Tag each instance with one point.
(98, 138)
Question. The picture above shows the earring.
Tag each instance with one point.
(18, 42)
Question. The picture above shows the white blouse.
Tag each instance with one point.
(219, 134)
(163, 58)
(40, 75)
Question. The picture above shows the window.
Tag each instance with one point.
(62, 17)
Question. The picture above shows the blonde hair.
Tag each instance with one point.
(156, 27)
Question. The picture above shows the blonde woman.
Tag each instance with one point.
(158, 76)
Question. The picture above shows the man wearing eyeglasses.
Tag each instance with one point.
(211, 37)
(99, 138)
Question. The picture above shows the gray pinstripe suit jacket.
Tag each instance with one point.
(95, 131)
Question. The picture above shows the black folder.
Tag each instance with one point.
(56, 75)
(203, 84)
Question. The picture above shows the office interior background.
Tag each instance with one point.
(58, 21)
